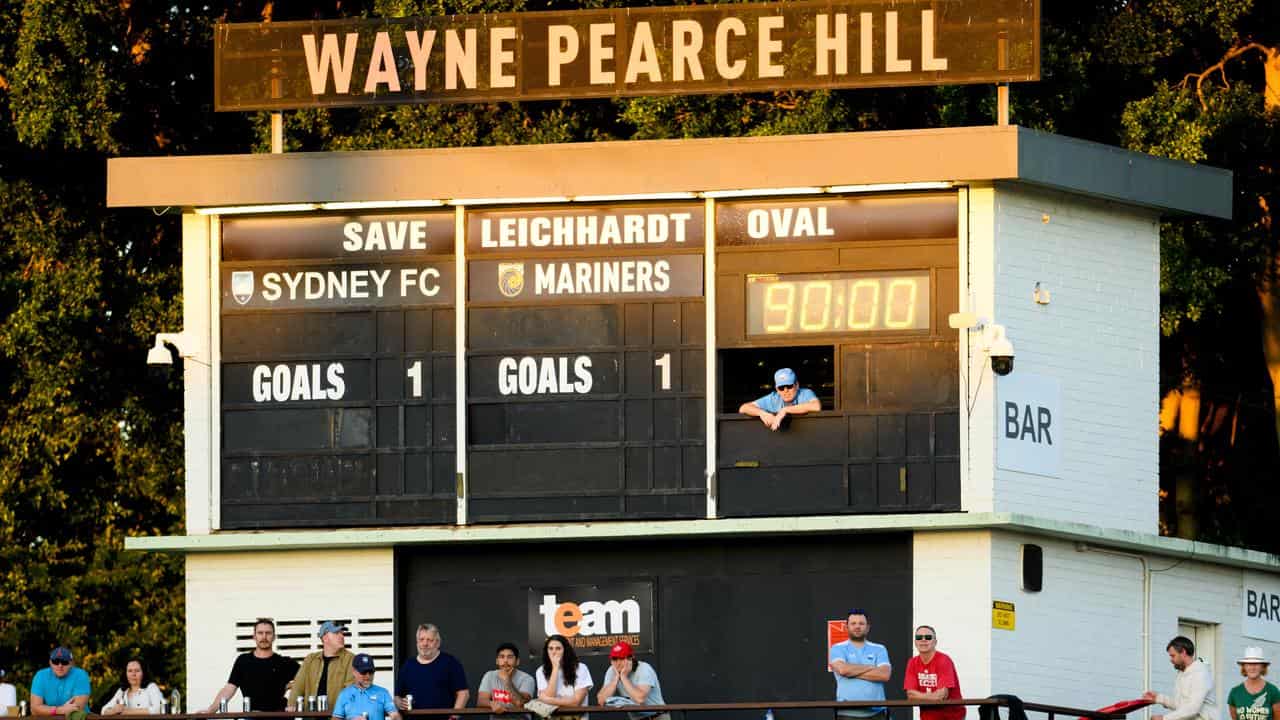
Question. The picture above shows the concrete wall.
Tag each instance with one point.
(952, 592)
(1079, 641)
(1098, 337)
(297, 589)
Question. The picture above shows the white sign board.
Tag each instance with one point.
(1029, 424)
(1260, 607)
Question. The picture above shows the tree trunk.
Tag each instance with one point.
(1271, 66)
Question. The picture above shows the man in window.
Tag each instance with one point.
(788, 398)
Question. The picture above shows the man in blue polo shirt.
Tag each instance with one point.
(61, 688)
(362, 697)
(787, 398)
(861, 668)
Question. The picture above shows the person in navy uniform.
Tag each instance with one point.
(787, 398)
(362, 697)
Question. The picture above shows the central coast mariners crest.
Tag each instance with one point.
(242, 286)
(510, 279)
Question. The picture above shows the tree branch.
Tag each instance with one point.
(1221, 68)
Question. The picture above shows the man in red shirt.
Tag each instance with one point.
(931, 677)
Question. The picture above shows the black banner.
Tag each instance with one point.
(318, 237)
(319, 287)
(594, 229)
(837, 219)
(593, 617)
(622, 278)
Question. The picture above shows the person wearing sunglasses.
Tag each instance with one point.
(861, 668)
(931, 677)
(61, 688)
(787, 398)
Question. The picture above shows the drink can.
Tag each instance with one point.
(301, 703)
(222, 706)
(246, 704)
(322, 703)
(408, 700)
(311, 703)
(22, 708)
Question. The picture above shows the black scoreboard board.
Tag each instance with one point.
(585, 361)
(337, 349)
(585, 366)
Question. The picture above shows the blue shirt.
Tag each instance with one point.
(56, 690)
(849, 689)
(355, 701)
(433, 685)
(642, 675)
(773, 401)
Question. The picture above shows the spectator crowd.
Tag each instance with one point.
(563, 685)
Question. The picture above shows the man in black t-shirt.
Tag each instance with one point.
(262, 676)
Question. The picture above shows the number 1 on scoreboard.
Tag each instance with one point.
(664, 362)
(415, 374)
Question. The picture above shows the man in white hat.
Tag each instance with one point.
(1193, 688)
(1255, 698)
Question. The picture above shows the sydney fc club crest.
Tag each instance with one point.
(510, 279)
(242, 286)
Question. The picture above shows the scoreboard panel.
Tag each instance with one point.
(337, 370)
(585, 363)
(853, 293)
(585, 350)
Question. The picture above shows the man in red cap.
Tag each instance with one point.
(630, 682)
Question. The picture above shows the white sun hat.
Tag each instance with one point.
(1254, 654)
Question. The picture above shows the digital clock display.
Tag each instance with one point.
(842, 302)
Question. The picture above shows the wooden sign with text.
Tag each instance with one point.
(625, 52)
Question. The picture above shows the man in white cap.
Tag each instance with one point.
(1255, 698)
(1193, 688)
(787, 398)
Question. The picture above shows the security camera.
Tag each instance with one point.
(167, 347)
(1000, 350)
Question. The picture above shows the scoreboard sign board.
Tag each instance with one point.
(337, 369)
(584, 360)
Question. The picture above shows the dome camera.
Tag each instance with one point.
(1000, 350)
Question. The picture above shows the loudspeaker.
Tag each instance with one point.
(1032, 568)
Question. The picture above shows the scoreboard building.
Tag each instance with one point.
(496, 389)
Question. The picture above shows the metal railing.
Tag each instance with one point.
(680, 709)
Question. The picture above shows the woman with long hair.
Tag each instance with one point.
(133, 697)
(563, 681)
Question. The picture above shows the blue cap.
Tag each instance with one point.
(329, 626)
(785, 376)
(363, 663)
(60, 653)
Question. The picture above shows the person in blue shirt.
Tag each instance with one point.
(861, 668)
(787, 398)
(61, 688)
(362, 697)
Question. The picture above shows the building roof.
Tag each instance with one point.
(1083, 534)
(960, 155)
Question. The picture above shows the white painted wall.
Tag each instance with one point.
(1079, 641)
(951, 592)
(1099, 336)
(197, 373)
(226, 588)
